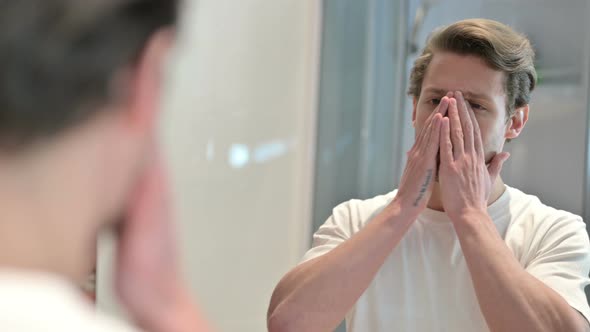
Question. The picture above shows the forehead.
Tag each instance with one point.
(466, 73)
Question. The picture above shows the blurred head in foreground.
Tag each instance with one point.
(79, 96)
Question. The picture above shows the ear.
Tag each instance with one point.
(414, 105)
(517, 122)
(146, 82)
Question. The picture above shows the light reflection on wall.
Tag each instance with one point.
(240, 154)
(269, 151)
(210, 150)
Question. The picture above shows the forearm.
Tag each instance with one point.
(180, 315)
(509, 297)
(316, 295)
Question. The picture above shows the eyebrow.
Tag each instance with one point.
(467, 94)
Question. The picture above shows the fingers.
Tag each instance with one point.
(449, 95)
(477, 141)
(148, 216)
(151, 200)
(466, 122)
(426, 142)
(443, 107)
(456, 131)
(440, 109)
(433, 141)
(496, 165)
(446, 147)
(422, 133)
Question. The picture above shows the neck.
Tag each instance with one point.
(44, 221)
(435, 202)
(31, 242)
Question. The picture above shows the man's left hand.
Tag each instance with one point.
(466, 182)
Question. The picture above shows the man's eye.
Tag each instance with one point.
(435, 101)
(476, 107)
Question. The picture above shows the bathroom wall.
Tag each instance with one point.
(239, 137)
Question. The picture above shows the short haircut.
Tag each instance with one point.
(498, 45)
(58, 57)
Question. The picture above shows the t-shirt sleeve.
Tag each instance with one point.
(562, 262)
(332, 233)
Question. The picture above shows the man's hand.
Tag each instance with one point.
(466, 181)
(317, 295)
(509, 297)
(419, 175)
(148, 279)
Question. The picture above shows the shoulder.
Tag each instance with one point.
(357, 212)
(86, 318)
(43, 302)
(347, 218)
(538, 225)
(106, 323)
(525, 207)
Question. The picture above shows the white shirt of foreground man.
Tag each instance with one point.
(454, 248)
(33, 302)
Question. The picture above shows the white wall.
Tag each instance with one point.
(239, 136)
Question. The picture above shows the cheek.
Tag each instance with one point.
(492, 138)
(421, 117)
(491, 130)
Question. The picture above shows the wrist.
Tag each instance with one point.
(470, 216)
(180, 314)
(404, 207)
(398, 209)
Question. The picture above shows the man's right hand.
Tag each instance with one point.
(317, 295)
(419, 175)
(148, 278)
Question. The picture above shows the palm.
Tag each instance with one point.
(147, 269)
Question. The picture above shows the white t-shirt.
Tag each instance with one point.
(424, 284)
(36, 302)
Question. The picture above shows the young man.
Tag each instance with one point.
(454, 248)
(79, 95)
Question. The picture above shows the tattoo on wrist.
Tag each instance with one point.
(424, 187)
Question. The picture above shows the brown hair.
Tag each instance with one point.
(57, 59)
(498, 45)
